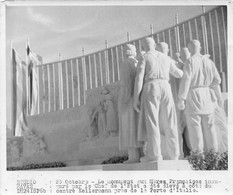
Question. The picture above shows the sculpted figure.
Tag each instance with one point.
(184, 55)
(153, 100)
(101, 120)
(94, 125)
(220, 119)
(33, 144)
(174, 82)
(128, 117)
(111, 125)
(195, 97)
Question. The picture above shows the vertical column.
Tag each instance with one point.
(190, 31)
(84, 79)
(196, 30)
(177, 34)
(170, 42)
(38, 87)
(117, 64)
(157, 35)
(128, 37)
(90, 71)
(112, 60)
(212, 36)
(224, 29)
(163, 33)
(49, 88)
(54, 89)
(151, 30)
(67, 85)
(43, 79)
(72, 82)
(60, 74)
(203, 22)
(185, 44)
(219, 43)
(95, 70)
(106, 61)
(78, 82)
(101, 73)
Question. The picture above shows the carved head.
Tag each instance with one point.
(184, 54)
(194, 46)
(105, 91)
(163, 48)
(148, 44)
(130, 50)
(108, 97)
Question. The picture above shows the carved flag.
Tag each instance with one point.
(33, 60)
(19, 83)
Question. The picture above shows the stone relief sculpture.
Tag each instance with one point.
(33, 145)
(111, 125)
(98, 122)
(154, 108)
(15, 156)
(128, 117)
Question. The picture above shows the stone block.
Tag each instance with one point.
(94, 152)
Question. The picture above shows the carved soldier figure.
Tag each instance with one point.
(153, 100)
(200, 74)
(127, 115)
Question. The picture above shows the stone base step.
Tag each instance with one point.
(175, 165)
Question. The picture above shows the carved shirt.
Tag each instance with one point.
(200, 74)
(157, 65)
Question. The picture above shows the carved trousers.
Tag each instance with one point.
(158, 115)
(201, 131)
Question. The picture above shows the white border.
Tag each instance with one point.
(8, 179)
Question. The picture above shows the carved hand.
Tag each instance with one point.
(181, 105)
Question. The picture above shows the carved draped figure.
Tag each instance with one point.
(127, 115)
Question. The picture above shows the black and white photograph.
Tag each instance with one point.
(116, 97)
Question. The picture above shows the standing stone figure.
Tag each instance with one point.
(111, 126)
(195, 97)
(184, 55)
(127, 115)
(153, 100)
(174, 82)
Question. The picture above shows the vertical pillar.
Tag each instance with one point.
(204, 32)
(84, 75)
(128, 37)
(106, 62)
(177, 33)
(151, 30)
(61, 106)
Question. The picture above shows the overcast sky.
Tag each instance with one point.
(67, 29)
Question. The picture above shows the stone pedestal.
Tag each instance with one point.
(165, 165)
(98, 150)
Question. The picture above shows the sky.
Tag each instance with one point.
(66, 29)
